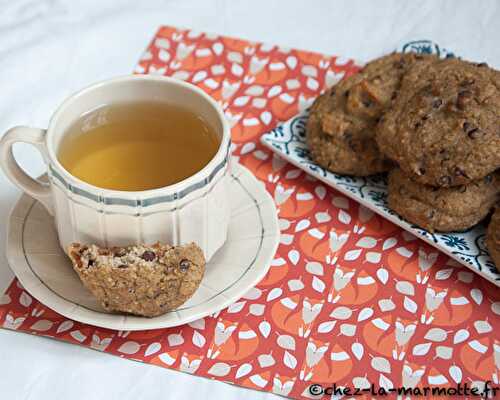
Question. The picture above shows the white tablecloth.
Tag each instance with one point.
(51, 48)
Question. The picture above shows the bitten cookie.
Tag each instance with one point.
(444, 126)
(142, 280)
(341, 125)
(493, 237)
(442, 209)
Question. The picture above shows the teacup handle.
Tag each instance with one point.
(36, 137)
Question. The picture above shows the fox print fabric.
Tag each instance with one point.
(349, 299)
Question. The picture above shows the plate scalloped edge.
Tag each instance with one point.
(468, 248)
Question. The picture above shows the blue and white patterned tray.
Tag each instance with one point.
(468, 248)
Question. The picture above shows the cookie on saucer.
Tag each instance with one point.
(341, 125)
(443, 128)
(139, 279)
(442, 209)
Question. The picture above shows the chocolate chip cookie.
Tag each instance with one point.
(141, 280)
(341, 125)
(442, 209)
(443, 128)
(493, 237)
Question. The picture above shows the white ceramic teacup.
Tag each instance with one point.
(193, 210)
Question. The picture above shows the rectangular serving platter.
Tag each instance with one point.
(468, 248)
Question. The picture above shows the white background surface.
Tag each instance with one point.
(51, 48)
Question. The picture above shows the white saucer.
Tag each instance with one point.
(44, 270)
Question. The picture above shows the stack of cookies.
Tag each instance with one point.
(433, 124)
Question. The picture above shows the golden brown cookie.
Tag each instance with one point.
(493, 237)
(141, 280)
(442, 209)
(444, 126)
(341, 125)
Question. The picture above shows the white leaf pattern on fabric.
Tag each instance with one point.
(302, 224)
(274, 294)
(253, 294)
(243, 370)
(166, 358)
(266, 360)
(65, 326)
(318, 284)
(482, 327)
(348, 330)
(153, 348)
(25, 299)
(314, 268)
(373, 257)
(198, 339)
(455, 373)
(129, 347)
(258, 380)
(421, 349)
(295, 285)
(247, 148)
(461, 336)
(352, 255)
(383, 275)
(175, 339)
(219, 369)
(293, 174)
(365, 313)
(5, 299)
(286, 342)
(341, 312)
(236, 307)
(265, 328)
(322, 217)
(385, 382)
(257, 309)
(294, 256)
(358, 350)
(289, 360)
(360, 382)
(436, 335)
(444, 352)
(367, 242)
(198, 324)
(42, 325)
(444, 274)
(477, 296)
(405, 287)
(78, 336)
(386, 305)
(344, 217)
(410, 305)
(403, 251)
(326, 326)
(381, 364)
(389, 243)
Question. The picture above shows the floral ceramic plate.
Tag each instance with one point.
(468, 248)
